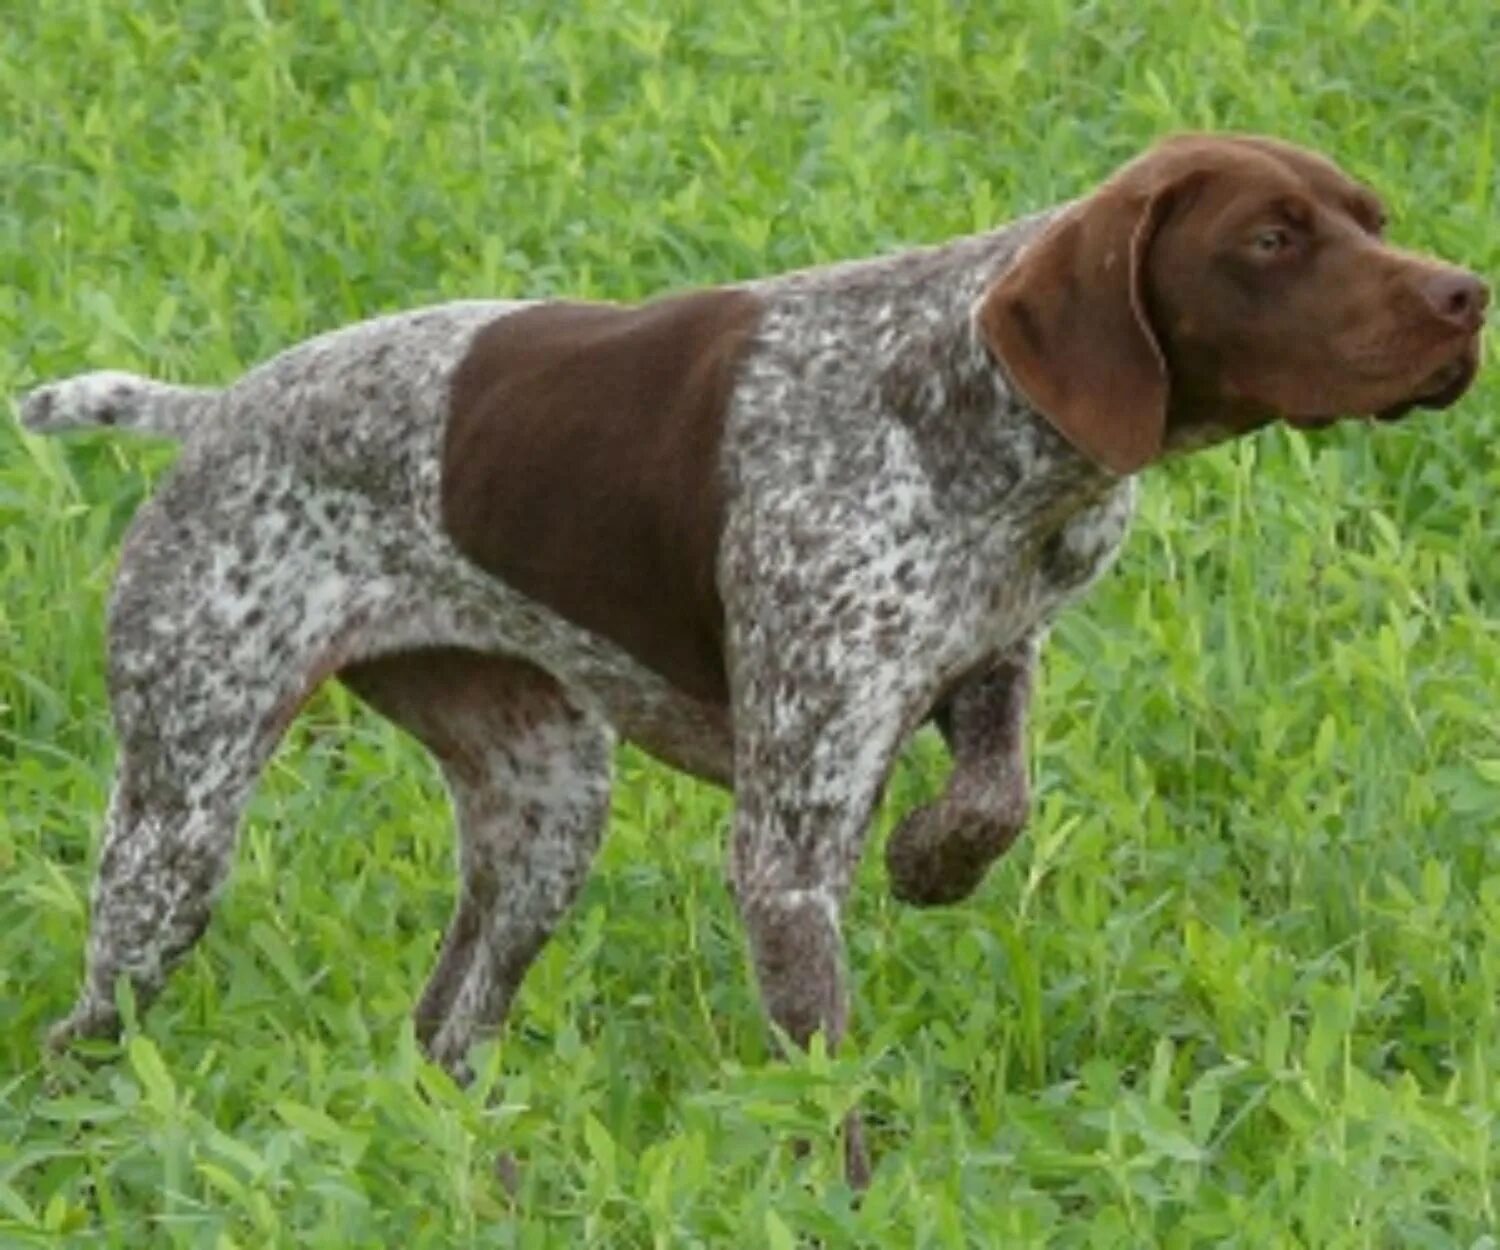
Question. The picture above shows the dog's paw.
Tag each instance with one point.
(90, 1019)
(508, 1173)
(935, 859)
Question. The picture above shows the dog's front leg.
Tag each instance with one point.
(821, 705)
(940, 852)
(807, 781)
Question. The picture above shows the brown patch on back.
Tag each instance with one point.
(581, 467)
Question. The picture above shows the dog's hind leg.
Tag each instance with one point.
(222, 622)
(529, 775)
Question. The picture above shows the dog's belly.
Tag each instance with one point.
(688, 735)
(458, 604)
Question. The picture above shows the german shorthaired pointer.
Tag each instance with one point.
(764, 531)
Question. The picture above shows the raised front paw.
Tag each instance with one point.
(937, 856)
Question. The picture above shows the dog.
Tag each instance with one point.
(765, 531)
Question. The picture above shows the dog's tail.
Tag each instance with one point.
(122, 401)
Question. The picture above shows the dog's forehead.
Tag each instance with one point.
(1320, 174)
(1252, 163)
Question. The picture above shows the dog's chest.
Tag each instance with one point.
(1030, 562)
(1072, 556)
(1020, 523)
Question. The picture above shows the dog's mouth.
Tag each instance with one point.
(1441, 389)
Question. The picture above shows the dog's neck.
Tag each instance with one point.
(909, 351)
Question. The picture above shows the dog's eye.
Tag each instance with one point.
(1271, 242)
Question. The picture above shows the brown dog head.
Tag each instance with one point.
(1217, 283)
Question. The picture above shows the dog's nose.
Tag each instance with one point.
(1457, 297)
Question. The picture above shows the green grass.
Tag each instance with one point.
(1240, 984)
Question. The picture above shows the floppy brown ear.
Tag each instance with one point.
(1068, 321)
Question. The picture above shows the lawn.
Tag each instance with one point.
(1238, 986)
